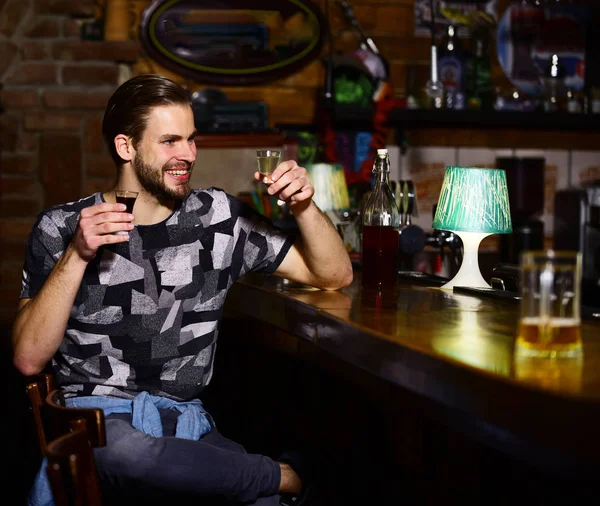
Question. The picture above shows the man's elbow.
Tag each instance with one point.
(26, 366)
(348, 277)
(342, 279)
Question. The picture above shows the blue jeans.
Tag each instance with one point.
(216, 468)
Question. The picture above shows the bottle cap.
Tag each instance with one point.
(382, 151)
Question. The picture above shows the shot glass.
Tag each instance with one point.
(550, 323)
(267, 159)
(126, 197)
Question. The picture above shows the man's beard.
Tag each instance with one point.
(152, 181)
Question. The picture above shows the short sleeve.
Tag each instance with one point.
(48, 240)
(44, 247)
(261, 246)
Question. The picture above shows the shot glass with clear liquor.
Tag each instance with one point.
(268, 160)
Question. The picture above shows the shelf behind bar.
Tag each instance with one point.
(239, 140)
(435, 118)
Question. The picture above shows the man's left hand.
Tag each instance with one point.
(290, 184)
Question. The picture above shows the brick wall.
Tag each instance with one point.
(54, 90)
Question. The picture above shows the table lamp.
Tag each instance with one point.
(473, 204)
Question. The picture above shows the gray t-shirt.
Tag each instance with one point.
(146, 316)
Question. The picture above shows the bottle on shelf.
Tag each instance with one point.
(451, 68)
(380, 223)
(480, 92)
(594, 100)
(574, 102)
(434, 88)
(412, 88)
(553, 86)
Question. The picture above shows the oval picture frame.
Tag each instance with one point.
(233, 42)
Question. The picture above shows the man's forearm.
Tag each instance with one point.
(40, 324)
(324, 251)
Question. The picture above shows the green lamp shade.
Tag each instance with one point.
(474, 200)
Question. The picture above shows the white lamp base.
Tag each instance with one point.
(469, 273)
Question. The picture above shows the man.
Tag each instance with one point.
(127, 306)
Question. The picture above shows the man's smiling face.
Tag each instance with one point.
(165, 155)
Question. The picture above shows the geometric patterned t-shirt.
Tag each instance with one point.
(146, 316)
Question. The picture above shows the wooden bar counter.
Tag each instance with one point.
(421, 387)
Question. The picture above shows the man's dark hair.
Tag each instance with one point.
(129, 108)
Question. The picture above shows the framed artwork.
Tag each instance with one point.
(233, 42)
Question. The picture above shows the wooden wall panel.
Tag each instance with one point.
(504, 138)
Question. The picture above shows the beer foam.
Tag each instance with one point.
(554, 322)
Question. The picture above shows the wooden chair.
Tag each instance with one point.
(66, 437)
(72, 470)
(60, 419)
(53, 419)
(38, 387)
(71, 435)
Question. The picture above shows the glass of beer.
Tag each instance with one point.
(268, 160)
(549, 324)
(551, 374)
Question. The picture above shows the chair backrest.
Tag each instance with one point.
(60, 419)
(72, 470)
(71, 434)
(52, 418)
(66, 436)
(38, 386)
(44, 379)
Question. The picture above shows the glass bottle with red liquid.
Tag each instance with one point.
(380, 223)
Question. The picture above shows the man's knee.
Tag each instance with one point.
(129, 453)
